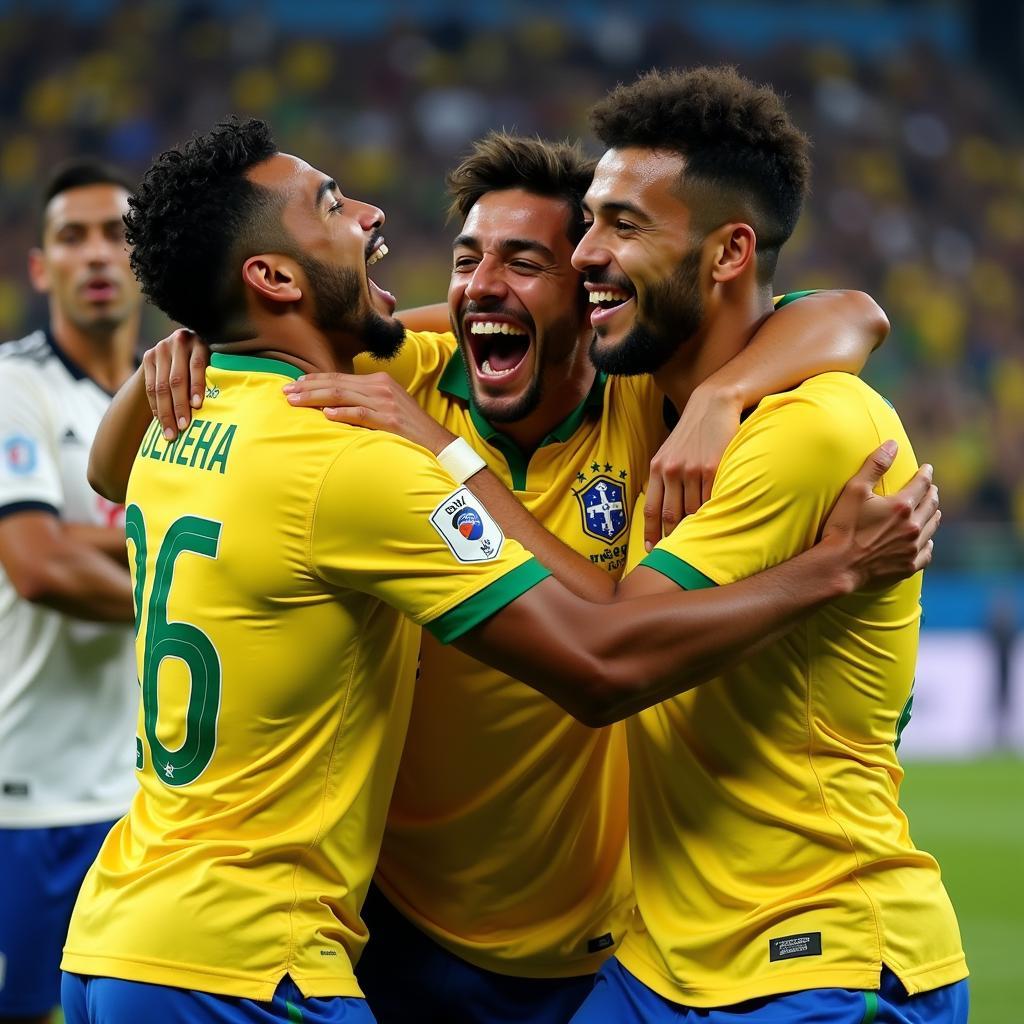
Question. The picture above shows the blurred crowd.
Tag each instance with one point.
(918, 191)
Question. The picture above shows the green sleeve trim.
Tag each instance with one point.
(870, 1008)
(484, 603)
(677, 570)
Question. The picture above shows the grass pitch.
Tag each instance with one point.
(970, 816)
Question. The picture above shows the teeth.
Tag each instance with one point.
(378, 254)
(494, 327)
(597, 297)
(489, 371)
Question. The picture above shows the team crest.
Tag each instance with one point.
(20, 454)
(603, 507)
(467, 528)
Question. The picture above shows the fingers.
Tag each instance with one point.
(672, 502)
(919, 488)
(178, 378)
(929, 528)
(707, 481)
(652, 511)
(197, 364)
(158, 388)
(876, 465)
(328, 395)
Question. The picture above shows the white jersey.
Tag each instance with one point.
(68, 688)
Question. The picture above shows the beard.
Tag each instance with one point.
(337, 302)
(671, 313)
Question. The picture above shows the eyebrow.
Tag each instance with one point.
(619, 206)
(329, 185)
(509, 245)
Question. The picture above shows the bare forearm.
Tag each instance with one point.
(118, 438)
(109, 540)
(605, 662)
(815, 334)
(574, 571)
(85, 584)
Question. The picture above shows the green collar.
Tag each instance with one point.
(455, 382)
(254, 364)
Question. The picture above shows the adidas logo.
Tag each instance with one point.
(70, 437)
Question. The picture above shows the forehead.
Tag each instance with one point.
(517, 214)
(87, 204)
(640, 177)
(283, 172)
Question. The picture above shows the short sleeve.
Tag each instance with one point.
(418, 363)
(390, 522)
(777, 483)
(29, 471)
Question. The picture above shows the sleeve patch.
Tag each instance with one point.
(467, 529)
(20, 454)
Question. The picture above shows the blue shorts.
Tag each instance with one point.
(41, 871)
(408, 977)
(620, 997)
(114, 1001)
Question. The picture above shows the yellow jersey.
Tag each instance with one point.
(506, 840)
(282, 566)
(770, 852)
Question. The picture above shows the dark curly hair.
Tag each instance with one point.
(744, 157)
(195, 217)
(499, 161)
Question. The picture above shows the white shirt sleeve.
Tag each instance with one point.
(29, 469)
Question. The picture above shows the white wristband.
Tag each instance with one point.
(460, 461)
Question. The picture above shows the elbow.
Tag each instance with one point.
(864, 309)
(35, 584)
(102, 485)
(606, 695)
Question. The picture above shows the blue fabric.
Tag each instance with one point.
(41, 871)
(408, 977)
(113, 1001)
(620, 997)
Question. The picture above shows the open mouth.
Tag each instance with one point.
(607, 300)
(99, 289)
(383, 300)
(499, 345)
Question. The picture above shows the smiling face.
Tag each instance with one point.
(515, 301)
(336, 239)
(641, 261)
(83, 261)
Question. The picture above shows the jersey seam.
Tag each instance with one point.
(311, 517)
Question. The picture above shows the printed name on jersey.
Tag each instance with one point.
(467, 529)
(603, 503)
(20, 454)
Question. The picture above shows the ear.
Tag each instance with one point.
(735, 248)
(272, 277)
(38, 272)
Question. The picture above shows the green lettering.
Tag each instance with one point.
(186, 442)
(204, 445)
(149, 439)
(220, 456)
(171, 449)
(202, 433)
(154, 452)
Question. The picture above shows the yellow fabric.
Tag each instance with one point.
(227, 875)
(506, 839)
(764, 804)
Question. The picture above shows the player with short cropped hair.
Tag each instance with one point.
(505, 859)
(775, 876)
(67, 698)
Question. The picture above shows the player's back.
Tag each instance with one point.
(274, 707)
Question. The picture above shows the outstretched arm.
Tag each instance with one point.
(819, 332)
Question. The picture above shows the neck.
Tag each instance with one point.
(727, 327)
(306, 348)
(107, 355)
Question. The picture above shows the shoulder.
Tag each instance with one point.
(26, 355)
(419, 363)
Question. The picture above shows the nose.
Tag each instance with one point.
(370, 218)
(589, 253)
(487, 282)
(98, 247)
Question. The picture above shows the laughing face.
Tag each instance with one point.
(515, 301)
(641, 262)
(337, 239)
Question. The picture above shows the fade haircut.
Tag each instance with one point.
(499, 161)
(79, 172)
(744, 159)
(196, 218)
